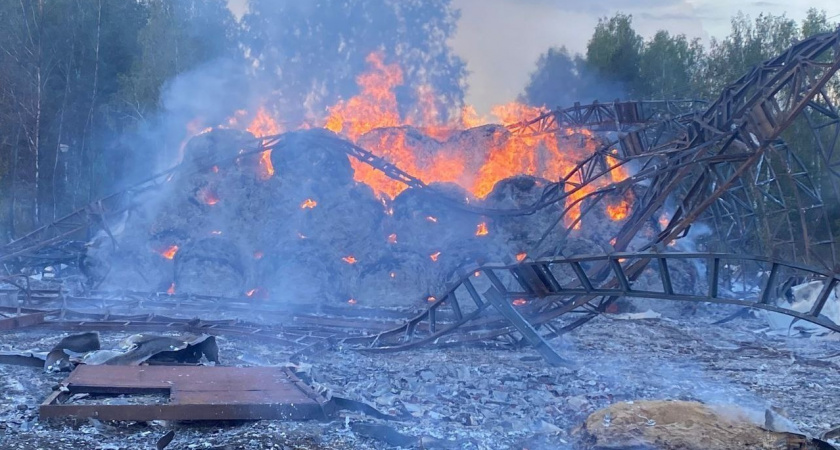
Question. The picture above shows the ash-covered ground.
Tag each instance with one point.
(477, 397)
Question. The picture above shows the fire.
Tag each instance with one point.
(612, 242)
(477, 273)
(352, 301)
(376, 104)
(208, 197)
(432, 219)
(171, 290)
(434, 256)
(169, 253)
(308, 204)
(619, 211)
(264, 125)
(430, 299)
(520, 302)
(664, 221)
(258, 255)
(392, 238)
(521, 257)
(349, 259)
(482, 229)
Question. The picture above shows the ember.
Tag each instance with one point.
(171, 290)
(619, 211)
(481, 229)
(352, 301)
(349, 259)
(208, 197)
(308, 204)
(431, 219)
(520, 302)
(392, 238)
(170, 252)
(521, 256)
(431, 298)
(434, 256)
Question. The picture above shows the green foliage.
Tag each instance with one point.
(615, 50)
(668, 67)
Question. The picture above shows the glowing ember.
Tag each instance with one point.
(266, 166)
(612, 242)
(170, 252)
(216, 233)
(477, 273)
(482, 229)
(251, 293)
(430, 299)
(171, 290)
(352, 301)
(258, 254)
(520, 302)
(432, 219)
(308, 204)
(521, 257)
(208, 197)
(434, 256)
(664, 221)
(392, 238)
(349, 259)
(393, 275)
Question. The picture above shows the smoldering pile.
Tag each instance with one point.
(309, 232)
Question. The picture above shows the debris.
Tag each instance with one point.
(195, 393)
(165, 440)
(649, 314)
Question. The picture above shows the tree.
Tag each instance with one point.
(667, 67)
(614, 51)
(309, 54)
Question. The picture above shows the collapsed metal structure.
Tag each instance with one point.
(757, 166)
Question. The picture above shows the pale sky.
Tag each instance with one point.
(500, 40)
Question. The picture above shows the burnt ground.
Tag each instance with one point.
(476, 397)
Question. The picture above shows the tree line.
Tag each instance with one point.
(94, 92)
(620, 63)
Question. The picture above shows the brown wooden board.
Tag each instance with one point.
(195, 393)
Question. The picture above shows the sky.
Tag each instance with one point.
(500, 40)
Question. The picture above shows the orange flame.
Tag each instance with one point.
(392, 238)
(482, 229)
(434, 256)
(308, 204)
(170, 252)
(619, 211)
(477, 273)
(171, 290)
(521, 256)
(207, 196)
(264, 125)
(349, 259)
(520, 302)
(430, 298)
